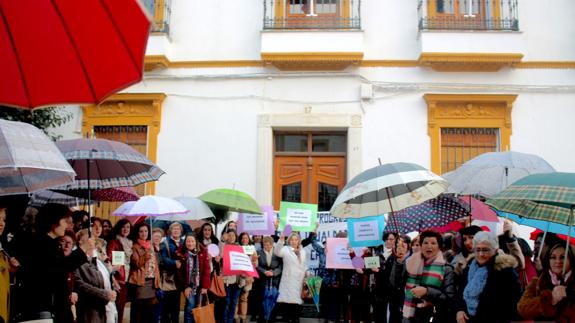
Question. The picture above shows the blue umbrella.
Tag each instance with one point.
(270, 298)
(546, 226)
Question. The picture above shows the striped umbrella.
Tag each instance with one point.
(546, 197)
(29, 160)
(111, 164)
(43, 197)
(387, 188)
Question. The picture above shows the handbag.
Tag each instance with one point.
(217, 286)
(168, 279)
(204, 314)
(305, 292)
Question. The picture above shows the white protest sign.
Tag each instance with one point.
(298, 217)
(366, 230)
(240, 261)
(118, 258)
(371, 262)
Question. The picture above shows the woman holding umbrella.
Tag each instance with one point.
(489, 288)
(430, 287)
(550, 296)
(293, 274)
(270, 269)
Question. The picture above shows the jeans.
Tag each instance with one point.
(190, 304)
(232, 296)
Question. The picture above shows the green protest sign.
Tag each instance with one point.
(371, 262)
(302, 217)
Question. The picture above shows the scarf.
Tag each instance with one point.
(144, 243)
(421, 273)
(476, 280)
(193, 270)
(556, 281)
(150, 265)
(127, 248)
(111, 312)
(268, 257)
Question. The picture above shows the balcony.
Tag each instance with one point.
(158, 42)
(160, 11)
(311, 14)
(311, 34)
(493, 15)
(469, 35)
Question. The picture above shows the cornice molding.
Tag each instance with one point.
(154, 62)
(312, 61)
(469, 62)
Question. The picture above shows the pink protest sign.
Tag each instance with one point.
(337, 255)
(236, 262)
(258, 224)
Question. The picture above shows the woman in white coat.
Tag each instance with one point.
(293, 274)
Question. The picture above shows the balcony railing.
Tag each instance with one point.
(160, 10)
(312, 14)
(468, 15)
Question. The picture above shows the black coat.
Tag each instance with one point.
(92, 296)
(275, 266)
(498, 301)
(44, 274)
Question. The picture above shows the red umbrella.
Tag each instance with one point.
(114, 194)
(69, 51)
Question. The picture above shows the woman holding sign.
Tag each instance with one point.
(231, 281)
(293, 274)
(246, 282)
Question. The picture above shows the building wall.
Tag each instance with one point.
(209, 129)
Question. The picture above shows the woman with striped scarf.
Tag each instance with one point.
(194, 273)
(430, 287)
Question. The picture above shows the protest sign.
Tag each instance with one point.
(337, 255)
(258, 224)
(118, 258)
(302, 217)
(366, 232)
(371, 262)
(249, 250)
(236, 262)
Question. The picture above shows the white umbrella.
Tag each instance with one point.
(198, 210)
(29, 160)
(151, 205)
(490, 173)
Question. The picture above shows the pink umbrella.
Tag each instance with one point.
(479, 210)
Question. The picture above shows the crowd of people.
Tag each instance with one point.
(70, 268)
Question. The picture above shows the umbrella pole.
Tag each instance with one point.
(567, 244)
(89, 198)
(391, 207)
(542, 242)
(470, 209)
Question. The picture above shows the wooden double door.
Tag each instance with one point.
(308, 179)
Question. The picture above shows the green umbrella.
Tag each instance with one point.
(548, 197)
(314, 285)
(222, 200)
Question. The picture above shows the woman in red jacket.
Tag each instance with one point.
(195, 272)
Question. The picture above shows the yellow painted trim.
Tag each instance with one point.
(160, 61)
(467, 111)
(152, 62)
(469, 62)
(128, 109)
(312, 60)
(546, 64)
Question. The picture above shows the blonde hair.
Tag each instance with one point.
(294, 234)
(268, 239)
(175, 224)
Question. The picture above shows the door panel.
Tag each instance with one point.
(316, 180)
(290, 179)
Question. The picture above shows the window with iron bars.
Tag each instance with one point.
(312, 14)
(459, 145)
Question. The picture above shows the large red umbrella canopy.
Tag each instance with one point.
(69, 51)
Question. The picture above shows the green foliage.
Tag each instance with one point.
(45, 119)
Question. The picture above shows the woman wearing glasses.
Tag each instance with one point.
(489, 288)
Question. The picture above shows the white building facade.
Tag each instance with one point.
(289, 99)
